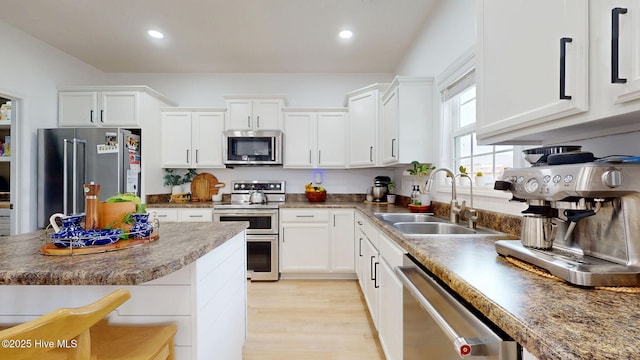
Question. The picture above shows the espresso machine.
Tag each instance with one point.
(582, 223)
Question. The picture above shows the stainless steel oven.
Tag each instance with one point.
(262, 233)
(437, 326)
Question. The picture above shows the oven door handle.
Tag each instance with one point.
(464, 347)
(243, 212)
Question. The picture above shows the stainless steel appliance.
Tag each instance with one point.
(582, 221)
(437, 326)
(380, 190)
(262, 234)
(71, 157)
(243, 147)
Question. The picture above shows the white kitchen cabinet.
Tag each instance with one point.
(371, 283)
(406, 121)
(254, 113)
(317, 242)
(364, 113)
(106, 106)
(184, 214)
(315, 138)
(192, 138)
(522, 85)
(341, 240)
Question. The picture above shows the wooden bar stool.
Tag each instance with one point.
(87, 336)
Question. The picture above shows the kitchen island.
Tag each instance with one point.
(194, 276)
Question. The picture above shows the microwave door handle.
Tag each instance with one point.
(273, 149)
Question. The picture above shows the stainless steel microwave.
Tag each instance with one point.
(245, 147)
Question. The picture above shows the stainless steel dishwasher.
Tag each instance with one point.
(437, 326)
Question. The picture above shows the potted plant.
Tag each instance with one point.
(421, 171)
(391, 197)
(177, 181)
(186, 180)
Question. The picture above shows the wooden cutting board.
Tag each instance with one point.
(203, 186)
(50, 249)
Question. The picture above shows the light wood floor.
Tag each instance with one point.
(309, 319)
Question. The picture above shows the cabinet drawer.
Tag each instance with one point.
(304, 216)
(390, 251)
(166, 214)
(195, 215)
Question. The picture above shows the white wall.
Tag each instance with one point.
(31, 72)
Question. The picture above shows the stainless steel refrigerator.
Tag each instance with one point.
(68, 158)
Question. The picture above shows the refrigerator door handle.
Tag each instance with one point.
(65, 178)
(74, 174)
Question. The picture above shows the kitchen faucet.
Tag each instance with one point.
(454, 210)
(471, 214)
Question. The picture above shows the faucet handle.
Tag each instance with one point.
(463, 207)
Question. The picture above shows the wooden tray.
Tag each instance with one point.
(50, 249)
(203, 186)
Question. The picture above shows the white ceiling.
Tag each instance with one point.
(225, 35)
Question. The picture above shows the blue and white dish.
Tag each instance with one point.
(84, 238)
(141, 228)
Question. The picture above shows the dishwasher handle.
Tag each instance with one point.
(464, 347)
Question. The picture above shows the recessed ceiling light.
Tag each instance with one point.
(155, 34)
(345, 34)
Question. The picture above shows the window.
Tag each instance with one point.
(459, 112)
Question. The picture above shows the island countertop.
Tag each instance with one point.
(22, 264)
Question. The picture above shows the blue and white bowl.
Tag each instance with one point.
(85, 238)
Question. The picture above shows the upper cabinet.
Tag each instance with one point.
(101, 106)
(575, 77)
(364, 113)
(406, 121)
(254, 113)
(529, 73)
(192, 138)
(315, 138)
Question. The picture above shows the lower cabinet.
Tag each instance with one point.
(377, 256)
(184, 214)
(316, 241)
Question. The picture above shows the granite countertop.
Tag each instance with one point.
(550, 318)
(22, 264)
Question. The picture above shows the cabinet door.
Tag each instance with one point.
(267, 114)
(521, 80)
(342, 246)
(389, 129)
(206, 135)
(176, 139)
(118, 108)
(621, 84)
(77, 108)
(332, 140)
(363, 115)
(371, 281)
(304, 247)
(390, 311)
(298, 142)
(239, 114)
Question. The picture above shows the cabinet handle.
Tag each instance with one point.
(257, 121)
(249, 121)
(305, 216)
(196, 216)
(615, 50)
(563, 70)
(393, 143)
(187, 155)
(371, 267)
(319, 157)
(102, 116)
(360, 223)
(370, 153)
(91, 116)
(196, 156)
(309, 156)
(162, 215)
(375, 277)
(360, 247)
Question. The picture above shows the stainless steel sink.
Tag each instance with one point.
(429, 228)
(408, 217)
